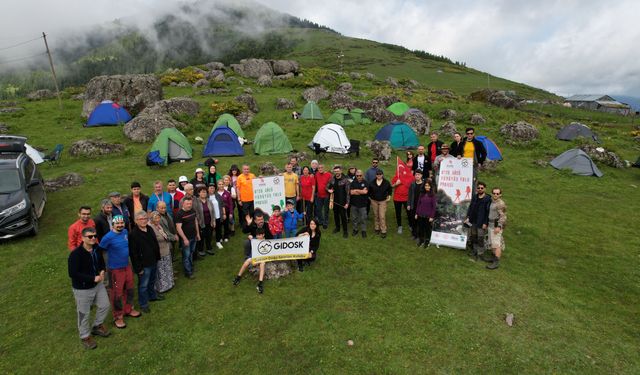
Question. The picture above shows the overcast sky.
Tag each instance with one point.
(563, 46)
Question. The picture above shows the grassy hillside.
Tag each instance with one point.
(569, 274)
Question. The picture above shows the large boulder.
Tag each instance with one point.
(64, 181)
(340, 99)
(418, 121)
(40, 95)
(345, 87)
(377, 108)
(354, 75)
(477, 119)
(201, 83)
(214, 75)
(91, 148)
(449, 114)
(601, 155)
(250, 102)
(282, 103)
(244, 118)
(269, 169)
(214, 65)
(281, 67)
(253, 68)
(273, 270)
(173, 106)
(445, 93)
(392, 82)
(315, 94)
(448, 128)
(380, 149)
(264, 81)
(519, 133)
(369, 76)
(133, 91)
(145, 128)
(495, 97)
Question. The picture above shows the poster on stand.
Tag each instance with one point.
(268, 192)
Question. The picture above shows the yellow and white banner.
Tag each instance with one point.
(279, 249)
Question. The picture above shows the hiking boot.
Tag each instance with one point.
(300, 268)
(345, 235)
(400, 229)
(364, 234)
(426, 244)
(495, 264)
(89, 343)
(134, 314)
(489, 258)
(119, 323)
(354, 233)
(236, 280)
(337, 230)
(383, 235)
(202, 254)
(159, 297)
(211, 252)
(100, 330)
(260, 287)
(219, 245)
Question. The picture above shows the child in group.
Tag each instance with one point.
(260, 235)
(276, 225)
(290, 218)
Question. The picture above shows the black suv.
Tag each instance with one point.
(22, 195)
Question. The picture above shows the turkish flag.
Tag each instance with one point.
(403, 172)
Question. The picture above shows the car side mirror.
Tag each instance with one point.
(34, 182)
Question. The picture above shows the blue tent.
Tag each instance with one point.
(108, 113)
(223, 141)
(399, 134)
(493, 152)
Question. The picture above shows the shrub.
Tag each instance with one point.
(233, 107)
(188, 74)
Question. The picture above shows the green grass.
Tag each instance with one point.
(569, 274)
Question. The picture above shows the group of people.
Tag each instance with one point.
(195, 214)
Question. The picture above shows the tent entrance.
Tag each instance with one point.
(176, 152)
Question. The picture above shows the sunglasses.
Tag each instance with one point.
(470, 133)
(91, 236)
(358, 175)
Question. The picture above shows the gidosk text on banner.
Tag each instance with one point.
(268, 192)
(279, 249)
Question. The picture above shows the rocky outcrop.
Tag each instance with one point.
(315, 94)
(488, 166)
(269, 169)
(264, 81)
(354, 75)
(135, 92)
(282, 103)
(244, 118)
(341, 99)
(284, 67)
(145, 128)
(601, 155)
(445, 93)
(392, 82)
(519, 133)
(497, 98)
(201, 83)
(214, 65)
(380, 149)
(254, 68)
(448, 128)
(369, 76)
(250, 102)
(92, 148)
(345, 87)
(477, 119)
(173, 106)
(40, 95)
(418, 121)
(64, 181)
(214, 75)
(449, 114)
(273, 270)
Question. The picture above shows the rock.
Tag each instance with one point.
(173, 106)
(273, 270)
(201, 83)
(377, 108)
(509, 319)
(197, 70)
(253, 68)
(284, 76)
(234, 79)
(247, 90)
(214, 91)
(601, 155)
(282, 103)
(183, 84)
(340, 99)
(345, 87)
(214, 75)
(477, 119)
(145, 128)
(214, 65)
(519, 133)
(380, 149)
(358, 93)
(392, 82)
(79, 96)
(90, 148)
(497, 98)
(244, 118)
(4, 128)
(8, 104)
(301, 155)
(135, 92)
(554, 125)
(64, 181)
(418, 121)
(249, 100)
(446, 93)
(369, 76)
(264, 81)
(315, 94)
(269, 169)
(40, 95)
(448, 128)
(281, 67)
(350, 343)
(541, 163)
(11, 109)
(413, 83)
(488, 166)
(354, 75)
(449, 114)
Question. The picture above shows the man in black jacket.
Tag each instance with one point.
(135, 202)
(86, 270)
(339, 190)
(473, 148)
(478, 219)
(103, 218)
(145, 253)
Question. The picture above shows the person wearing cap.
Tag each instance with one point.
(439, 159)
(159, 195)
(136, 202)
(412, 201)
(119, 209)
(339, 190)
(198, 178)
(290, 218)
(74, 234)
(379, 195)
(116, 245)
(434, 147)
(103, 218)
(87, 271)
(182, 181)
(314, 166)
(359, 192)
(175, 194)
(244, 189)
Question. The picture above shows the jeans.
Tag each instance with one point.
(289, 233)
(146, 286)
(187, 256)
(359, 218)
(322, 211)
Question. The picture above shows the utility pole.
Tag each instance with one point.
(53, 71)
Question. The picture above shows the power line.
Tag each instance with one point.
(22, 58)
(19, 44)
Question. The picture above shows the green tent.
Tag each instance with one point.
(360, 117)
(311, 111)
(270, 140)
(341, 117)
(230, 121)
(398, 108)
(169, 146)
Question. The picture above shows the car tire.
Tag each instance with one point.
(34, 223)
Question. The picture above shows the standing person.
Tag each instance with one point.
(159, 195)
(295, 166)
(87, 271)
(371, 173)
(119, 209)
(322, 196)
(187, 227)
(234, 172)
(425, 213)
(314, 166)
(182, 181)
(164, 277)
(434, 147)
(290, 219)
(359, 197)
(145, 254)
(351, 173)
(474, 149)
(168, 226)
(218, 213)
(497, 221)
(212, 176)
(412, 201)
(478, 219)
(74, 234)
(291, 184)
(338, 188)
(401, 182)
(198, 179)
(245, 190)
(225, 196)
(409, 160)
(228, 186)
(307, 192)
(439, 159)
(103, 218)
(379, 195)
(176, 195)
(276, 222)
(206, 217)
(421, 162)
(188, 193)
(116, 245)
(136, 202)
(457, 147)
(313, 231)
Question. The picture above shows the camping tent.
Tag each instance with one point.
(230, 121)
(360, 117)
(270, 140)
(341, 117)
(399, 134)
(169, 146)
(578, 161)
(108, 113)
(398, 108)
(331, 138)
(493, 152)
(637, 163)
(574, 130)
(311, 111)
(222, 141)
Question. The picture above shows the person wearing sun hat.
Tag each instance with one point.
(198, 179)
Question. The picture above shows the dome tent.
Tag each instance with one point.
(331, 138)
(360, 117)
(108, 113)
(493, 152)
(311, 111)
(398, 108)
(578, 161)
(575, 130)
(222, 141)
(270, 139)
(170, 145)
(341, 117)
(399, 134)
(230, 121)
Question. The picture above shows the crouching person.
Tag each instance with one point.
(260, 235)
(87, 271)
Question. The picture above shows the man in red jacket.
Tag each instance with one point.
(401, 183)
(322, 196)
(75, 230)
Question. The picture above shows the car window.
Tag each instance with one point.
(9, 181)
(28, 171)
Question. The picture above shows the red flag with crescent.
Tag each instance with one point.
(403, 172)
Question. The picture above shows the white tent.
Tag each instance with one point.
(332, 138)
(34, 154)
